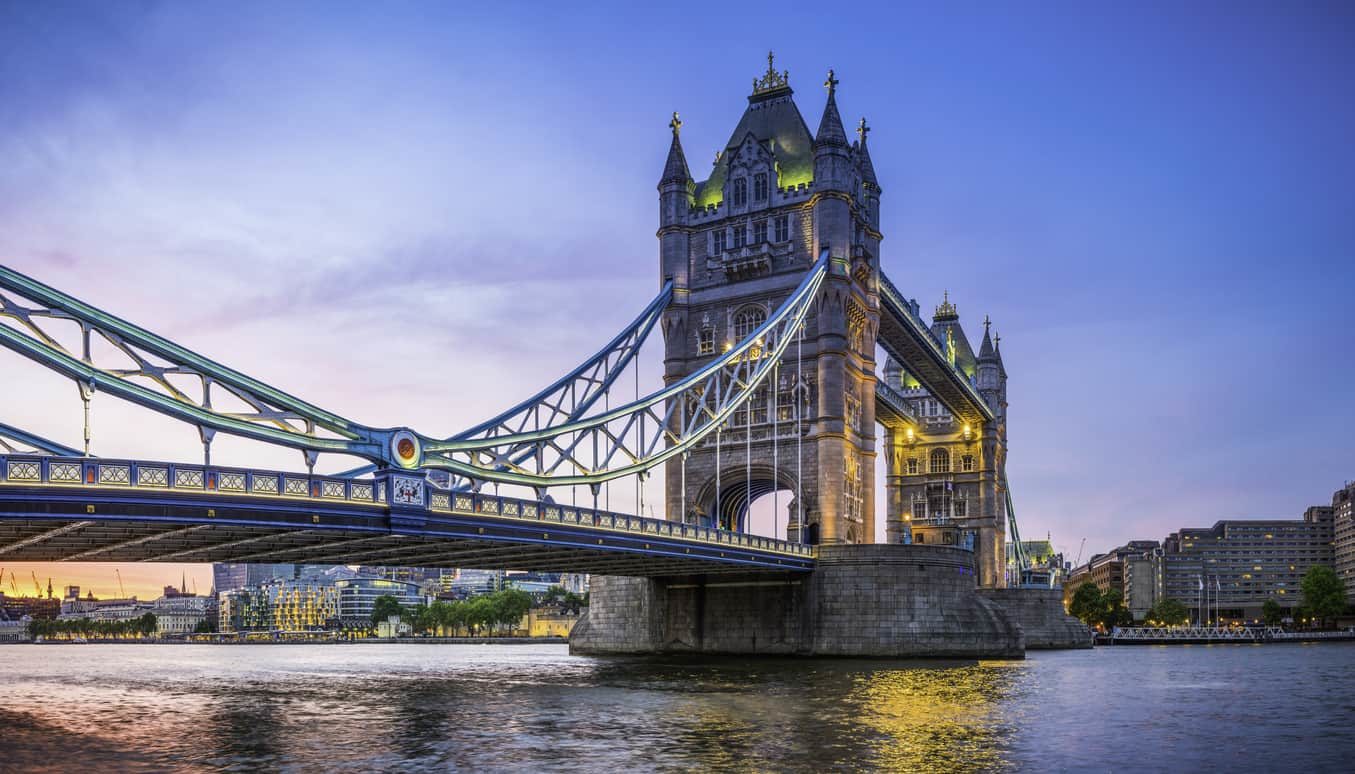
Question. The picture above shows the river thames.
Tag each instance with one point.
(369, 707)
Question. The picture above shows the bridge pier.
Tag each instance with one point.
(882, 601)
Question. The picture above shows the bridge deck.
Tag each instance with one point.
(908, 340)
(82, 509)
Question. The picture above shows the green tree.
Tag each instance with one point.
(1271, 612)
(1113, 611)
(1086, 604)
(205, 626)
(1324, 595)
(512, 605)
(1168, 612)
(384, 608)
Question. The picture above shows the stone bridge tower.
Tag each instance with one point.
(736, 245)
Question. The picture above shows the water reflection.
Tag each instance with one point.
(376, 707)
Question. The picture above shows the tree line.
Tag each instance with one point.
(484, 614)
(143, 625)
(1322, 592)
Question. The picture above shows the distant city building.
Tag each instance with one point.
(1343, 527)
(14, 630)
(231, 576)
(357, 597)
(469, 582)
(34, 607)
(575, 582)
(1108, 572)
(280, 604)
(75, 607)
(182, 613)
(1241, 563)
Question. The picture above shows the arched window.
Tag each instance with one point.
(760, 187)
(967, 463)
(940, 461)
(740, 191)
(747, 320)
(705, 341)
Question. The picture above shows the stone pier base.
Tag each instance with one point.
(1041, 616)
(885, 601)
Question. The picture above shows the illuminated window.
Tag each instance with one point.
(760, 187)
(717, 241)
(852, 486)
(912, 466)
(740, 236)
(759, 231)
(967, 463)
(747, 320)
(853, 405)
(705, 342)
(740, 191)
(783, 228)
(940, 461)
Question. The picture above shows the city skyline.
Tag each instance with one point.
(296, 226)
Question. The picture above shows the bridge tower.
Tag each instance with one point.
(735, 245)
(945, 481)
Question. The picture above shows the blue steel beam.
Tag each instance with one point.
(11, 434)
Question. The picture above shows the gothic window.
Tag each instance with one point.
(961, 507)
(758, 404)
(705, 341)
(760, 187)
(740, 191)
(853, 405)
(783, 228)
(759, 231)
(740, 236)
(938, 500)
(967, 463)
(852, 486)
(912, 466)
(940, 461)
(747, 320)
(717, 241)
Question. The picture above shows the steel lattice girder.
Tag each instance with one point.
(276, 417)
(16, 440)
(638, 436)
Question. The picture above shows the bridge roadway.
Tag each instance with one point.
(87, 509)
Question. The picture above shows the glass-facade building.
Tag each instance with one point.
(357, 597)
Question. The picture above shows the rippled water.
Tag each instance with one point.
(528, 708)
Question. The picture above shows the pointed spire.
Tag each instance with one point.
(675, 169)
(986, 351)
(997, 354)
(830, 131)
(863, 156)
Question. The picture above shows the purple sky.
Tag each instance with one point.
(410, 214)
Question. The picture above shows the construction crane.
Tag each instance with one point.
(1078, 562)
(122, 592)
(13, 584)
(37, 587)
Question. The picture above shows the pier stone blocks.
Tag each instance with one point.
(882, 601)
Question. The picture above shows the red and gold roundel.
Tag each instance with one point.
(405, 447)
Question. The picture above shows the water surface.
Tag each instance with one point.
(370, 707)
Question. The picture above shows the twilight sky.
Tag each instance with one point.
(412, 213)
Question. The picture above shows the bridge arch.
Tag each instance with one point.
(738, 489)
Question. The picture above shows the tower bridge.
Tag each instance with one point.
(772, 302)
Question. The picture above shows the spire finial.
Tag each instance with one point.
(831, 83)
(986, 323)
(771, 80)
(862, 130)
(947, 310)
(676, 123)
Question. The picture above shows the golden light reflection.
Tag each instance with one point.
(937, 719)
